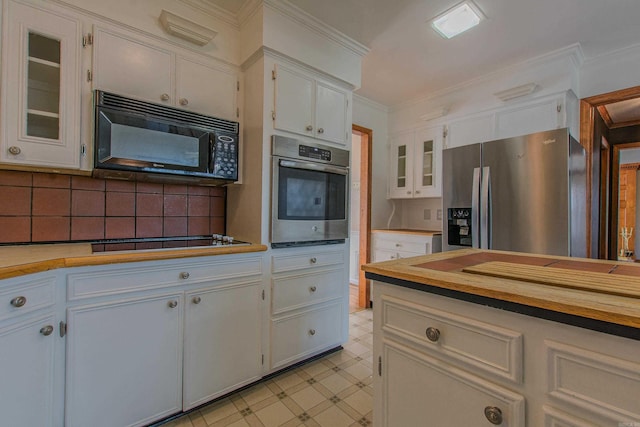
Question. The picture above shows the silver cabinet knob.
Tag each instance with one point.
(408, 192)
(14, 150)
(184, 101)
(165, 97)
(172, 304)
(398, 245)
(309, 128)
(196, 300)
(313, 260)
(312, 331)
(493, 414)
(320, 130)
(184, 275)
(19, 301)
(417, 191)
(46, 330)
(433, 334)
(312, 289)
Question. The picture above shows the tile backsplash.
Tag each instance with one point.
(40, 207)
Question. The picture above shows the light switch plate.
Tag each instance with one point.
(439, 215)
(427, 214)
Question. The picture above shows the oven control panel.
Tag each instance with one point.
(314, 153)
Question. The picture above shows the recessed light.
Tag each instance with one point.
(458, 19)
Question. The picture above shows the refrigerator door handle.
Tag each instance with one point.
(475, 209)
(485, 206)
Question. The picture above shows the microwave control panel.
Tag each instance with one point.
(314, 153)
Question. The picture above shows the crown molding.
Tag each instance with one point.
(247, 10)
(298, 15)
(572, 52)
(369, 103)
(213, 11)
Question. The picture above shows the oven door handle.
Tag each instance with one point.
(314, 167)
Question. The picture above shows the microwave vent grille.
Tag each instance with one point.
(111, 100)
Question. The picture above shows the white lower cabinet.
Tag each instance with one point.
(445, 362)
(388, 244)
(222, 329)
(28, 337)
(418, 387)
(309, 303)
(124, 361)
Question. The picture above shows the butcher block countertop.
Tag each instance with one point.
(408, 231)
(596, 294)
(19, 260)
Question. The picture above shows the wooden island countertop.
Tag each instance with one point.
(18, 260)
(595, 294)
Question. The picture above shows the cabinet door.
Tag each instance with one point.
(294, 100)
(26, 369)
(222, 346)
(416, 388)
(206, 89)
(331, 113)
(40, 87)
(124, 362)
(427, 171)
(127, 66)
(401, 173)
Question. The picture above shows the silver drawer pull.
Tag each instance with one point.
(493, 414)
(398, 245)
(312, 331)
(19, 301)
(46, 330)
(320, 130)
(312, 289)
(172, 304)
(14, 150)
(433, 334)
(309, 128)
(196, 300)
(313, 260)
(184, 275)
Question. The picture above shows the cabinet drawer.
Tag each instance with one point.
(422, 246)
(95, 282)
(297, 261)
(301, 290)
(300, 335)
(487, 347)
(26, 296)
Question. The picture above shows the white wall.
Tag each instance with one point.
(421, 214)
(374, 116)
(607, 73)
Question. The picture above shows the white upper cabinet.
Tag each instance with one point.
(140, 67)
(40, 87)
(309, 106)
(416, 161)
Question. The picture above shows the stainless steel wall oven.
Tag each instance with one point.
(309, 193)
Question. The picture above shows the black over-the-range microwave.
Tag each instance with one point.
(141, 140)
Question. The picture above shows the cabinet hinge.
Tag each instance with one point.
(263, 359)
(89, 76)
(63, 329)
(87, 40)
(263, 295)
(273, 74)
(237, 112)
(445, 131)
(273, 115)
(379, 366)
(83, 150)
(559, 107)
(238, 86)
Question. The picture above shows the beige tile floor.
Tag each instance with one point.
(334, 391)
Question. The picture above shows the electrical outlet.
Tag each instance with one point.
(427, 214)
(439, 214)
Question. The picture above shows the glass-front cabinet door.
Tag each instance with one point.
(401, 173)
(41, 87)
(428, 163)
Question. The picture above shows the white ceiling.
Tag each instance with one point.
(409, 60)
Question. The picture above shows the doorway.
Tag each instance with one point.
(362, 143)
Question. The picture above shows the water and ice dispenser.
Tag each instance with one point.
(459, 226)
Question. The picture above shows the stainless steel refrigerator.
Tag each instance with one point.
(524, 194)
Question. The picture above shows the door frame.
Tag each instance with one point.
(364, 245)
(588, 107)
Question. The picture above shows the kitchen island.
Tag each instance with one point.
(503, 338)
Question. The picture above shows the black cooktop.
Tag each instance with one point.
(163, 243)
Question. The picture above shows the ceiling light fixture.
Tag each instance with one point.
(458, 19)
